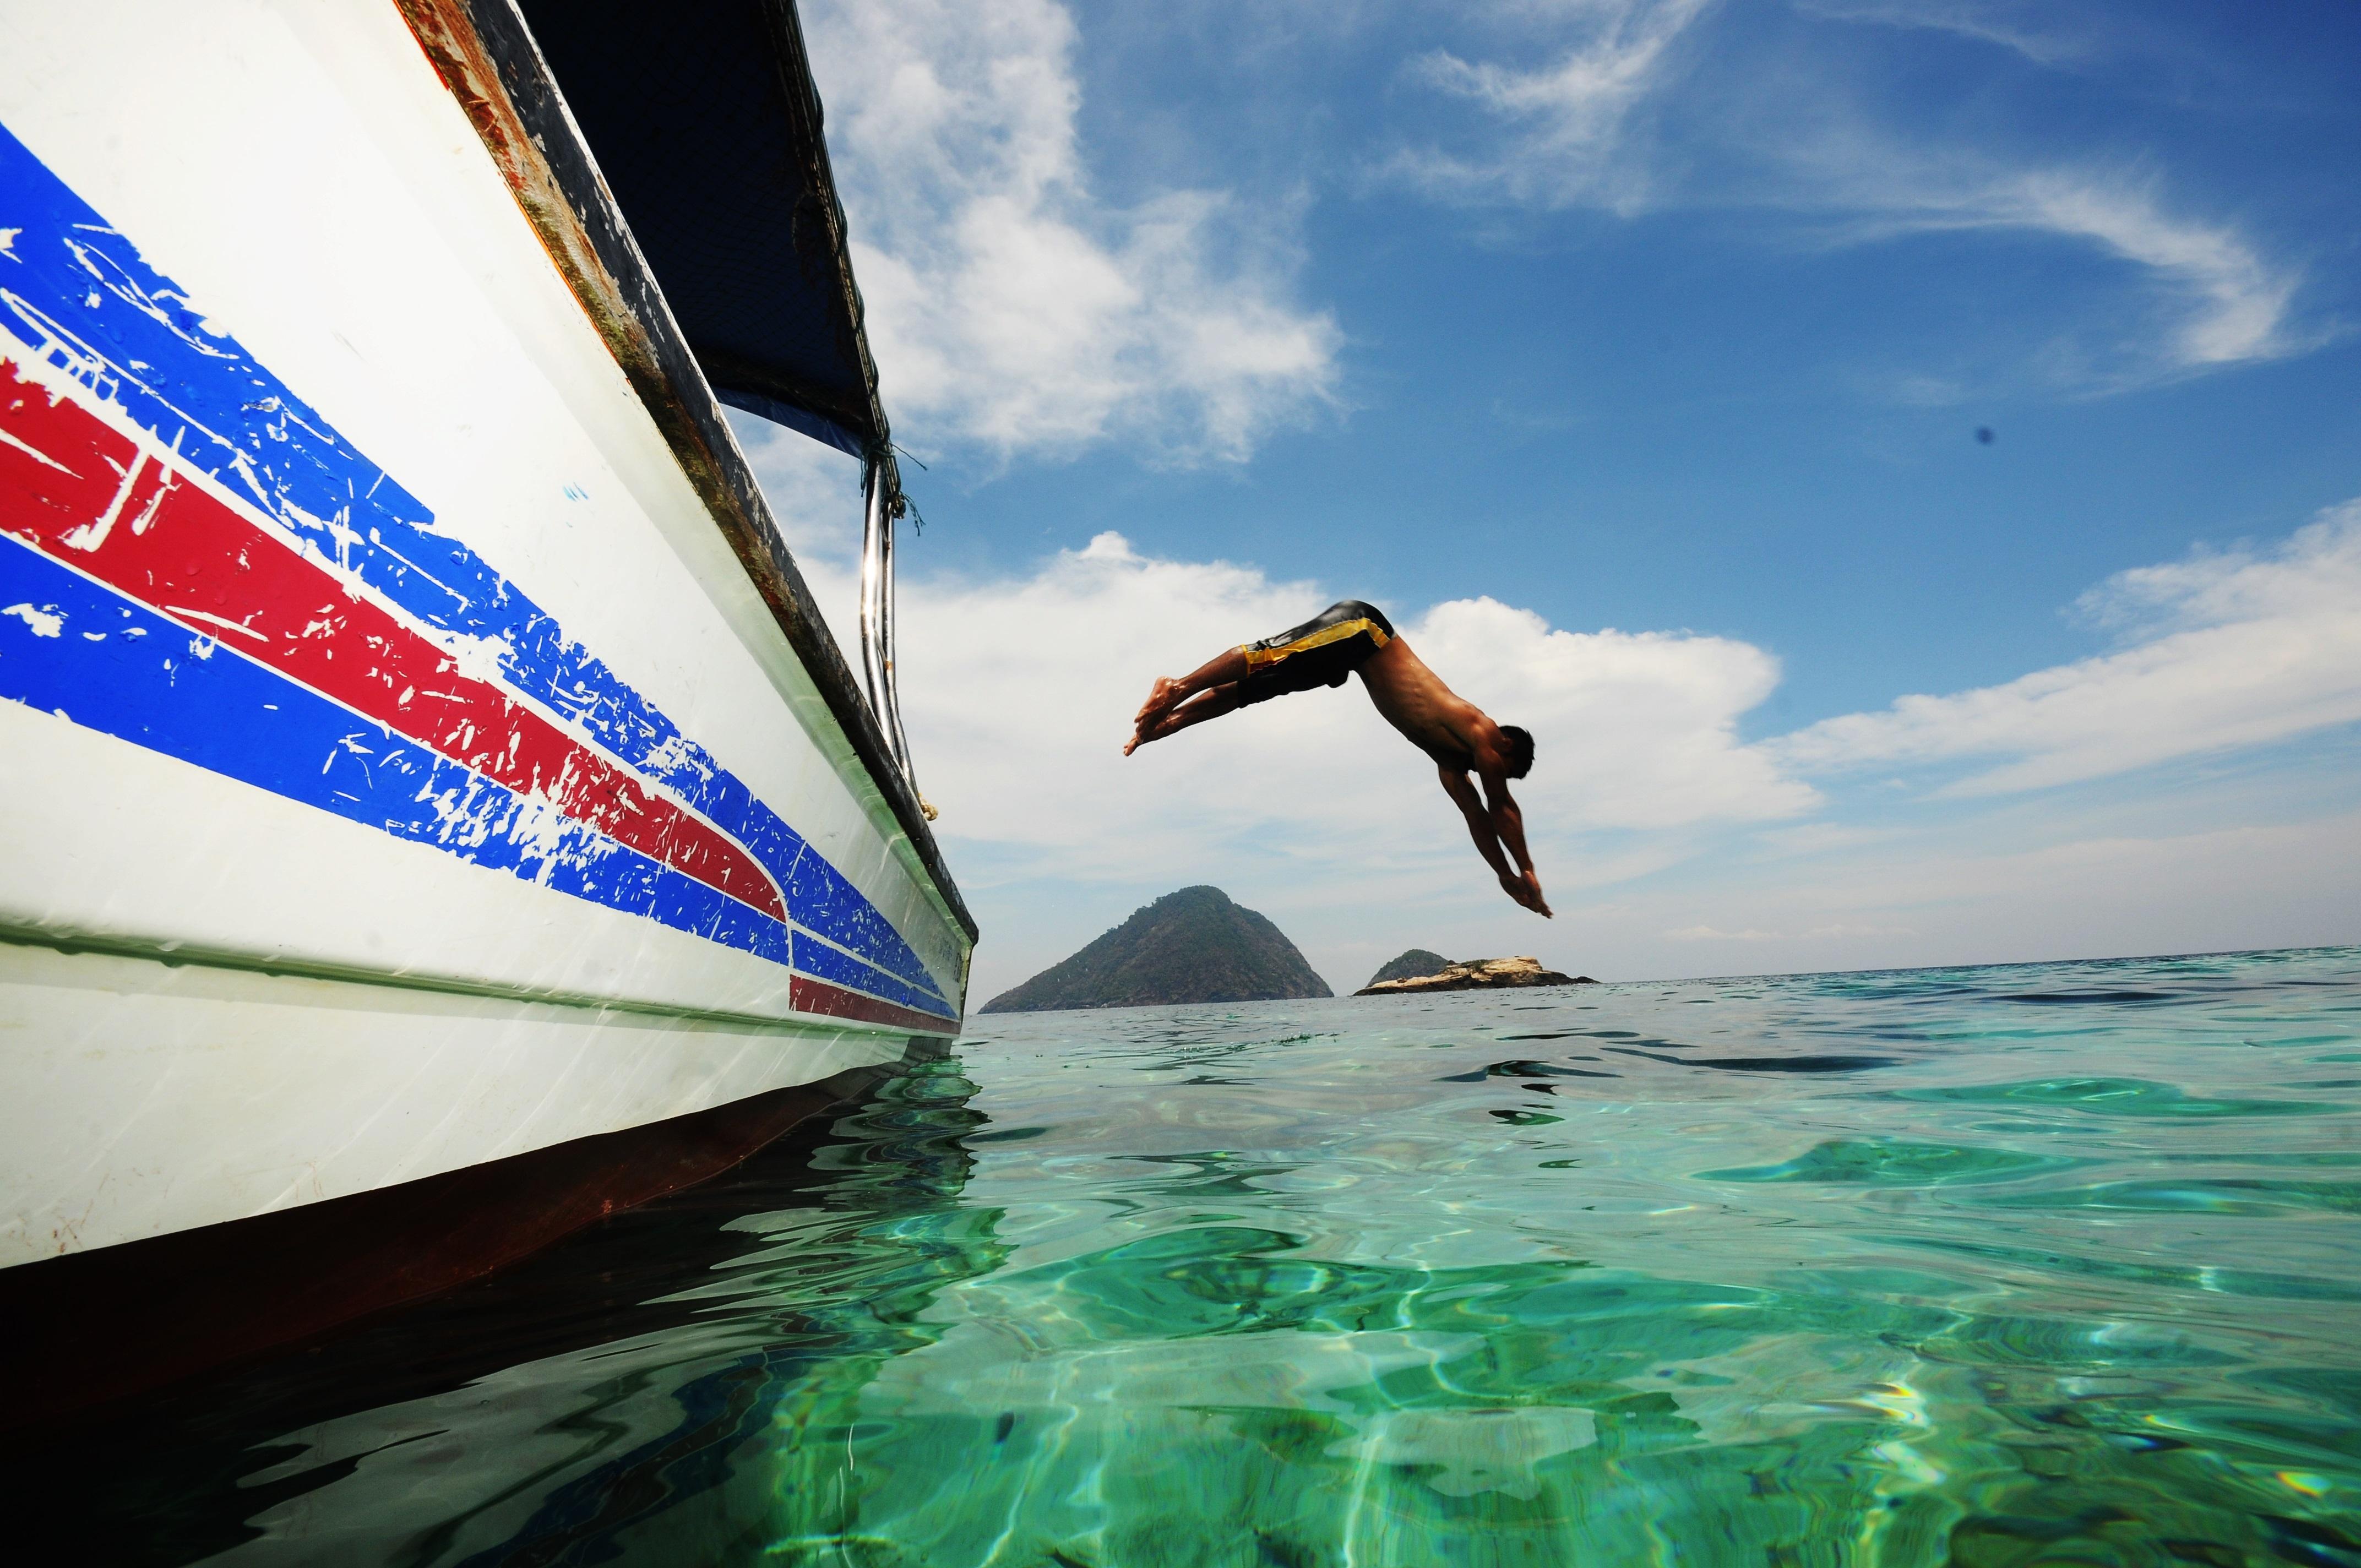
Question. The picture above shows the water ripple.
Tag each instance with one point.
(2065, 1273)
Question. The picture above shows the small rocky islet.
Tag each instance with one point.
(1475, 974)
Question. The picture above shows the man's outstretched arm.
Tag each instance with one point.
(1492, 827)
(1508, 822)
(1508, 819)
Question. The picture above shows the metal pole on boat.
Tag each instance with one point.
(877, 615)
(897, 738)
(873, 525)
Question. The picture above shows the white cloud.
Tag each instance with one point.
(2228, 651)
(1985, 23)
(1785, 139)
(1644, 722)
(2233, 305)
(1019, 694)
(1009, 306)
(1567, 118)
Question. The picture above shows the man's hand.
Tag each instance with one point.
(1527, 890)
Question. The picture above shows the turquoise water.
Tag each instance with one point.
(2052, 1263)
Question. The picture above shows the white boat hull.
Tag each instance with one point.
(399, 769)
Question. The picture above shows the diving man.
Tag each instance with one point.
(1321, 652)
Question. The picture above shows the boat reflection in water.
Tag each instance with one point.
(635, 1388)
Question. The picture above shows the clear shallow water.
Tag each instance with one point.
(2029, 1265)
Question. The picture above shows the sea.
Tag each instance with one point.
(2034, 1264)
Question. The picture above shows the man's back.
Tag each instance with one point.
(1414, 699)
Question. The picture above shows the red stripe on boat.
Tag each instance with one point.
(807, 995)
(78, 490)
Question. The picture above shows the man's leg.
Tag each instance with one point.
(1206, 704)
(1226, 668)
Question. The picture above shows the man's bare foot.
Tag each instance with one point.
(1159, 697)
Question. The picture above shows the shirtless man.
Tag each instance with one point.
(1438, 721)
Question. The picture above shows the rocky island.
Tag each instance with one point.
(1476, 974)
(1195, 944)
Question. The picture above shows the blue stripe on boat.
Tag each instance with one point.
(122, 669)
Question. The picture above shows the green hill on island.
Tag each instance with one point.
(1191, 946)
(1410, 965)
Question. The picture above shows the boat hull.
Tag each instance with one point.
(404, 771)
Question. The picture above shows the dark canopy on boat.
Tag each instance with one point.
(704, 121)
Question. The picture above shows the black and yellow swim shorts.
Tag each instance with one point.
(1320, 653)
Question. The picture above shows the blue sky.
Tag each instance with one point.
(1678, 319)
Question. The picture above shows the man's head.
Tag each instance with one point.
(1521, 748)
